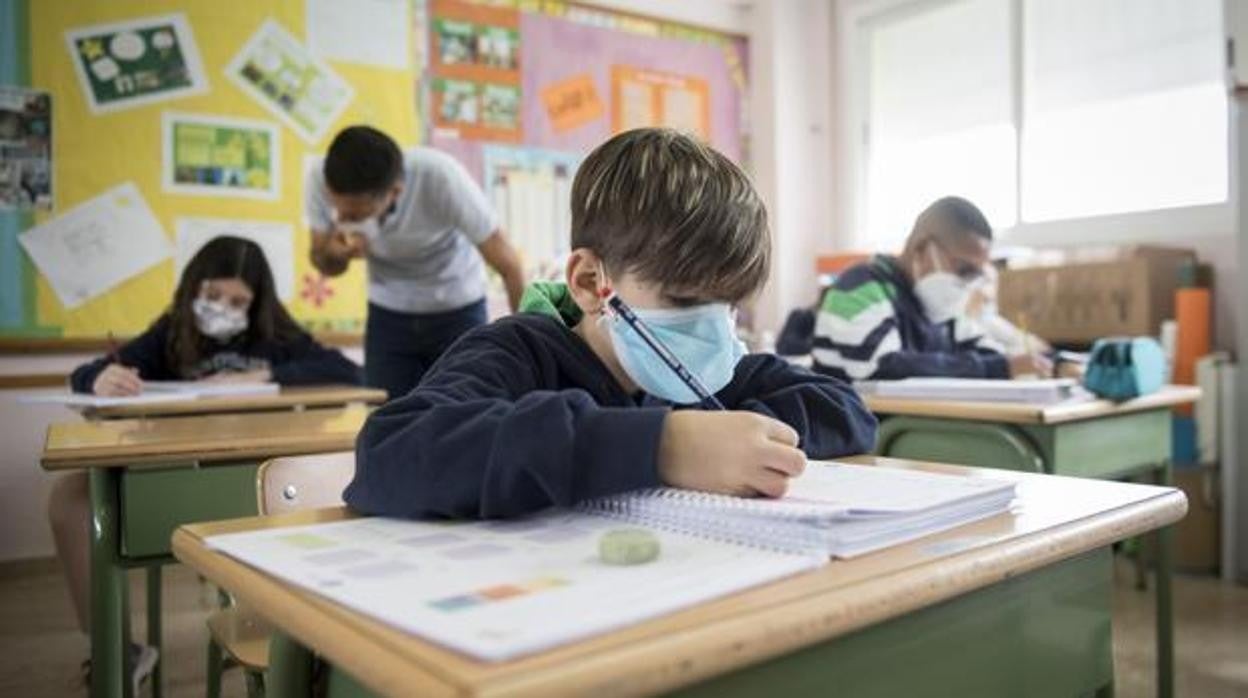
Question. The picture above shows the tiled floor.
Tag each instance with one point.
(41, 650)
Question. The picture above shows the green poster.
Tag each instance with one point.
(220, 156)
(136, 62)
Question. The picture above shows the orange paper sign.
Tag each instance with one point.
(573, 102)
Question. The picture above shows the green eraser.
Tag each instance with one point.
(628, 546)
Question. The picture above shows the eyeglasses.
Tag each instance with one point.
(962, 268)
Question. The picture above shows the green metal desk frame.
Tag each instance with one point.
(1115, 447)
(1039, 635)
(133, 514)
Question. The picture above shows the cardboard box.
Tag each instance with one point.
(1078, 297)
(1197, 540)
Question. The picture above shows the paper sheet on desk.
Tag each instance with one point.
(84, 400)
(502, 589)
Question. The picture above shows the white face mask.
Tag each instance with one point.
(942, 293)
(218, 320)
(369, 227)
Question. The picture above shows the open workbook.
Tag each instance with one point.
(497, 590)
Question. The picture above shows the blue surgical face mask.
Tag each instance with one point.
(703, 337)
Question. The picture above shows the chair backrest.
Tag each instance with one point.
(291, 483)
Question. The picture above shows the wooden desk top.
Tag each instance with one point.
(1057, 518)
(286, 399)
(205, 438)
(1014, 413)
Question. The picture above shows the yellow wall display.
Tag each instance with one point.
(95, 151)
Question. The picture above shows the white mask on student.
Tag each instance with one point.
(942, 293)
(369, 227)
(218, 320)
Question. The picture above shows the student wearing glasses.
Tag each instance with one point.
(900, 317)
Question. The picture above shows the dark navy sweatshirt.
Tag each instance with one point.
(301, 361)
(871, 326)
(521, 414)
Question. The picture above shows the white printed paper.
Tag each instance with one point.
(97, 244)
(281, 74)
(502, 589)
(275, 238)
(369, 32)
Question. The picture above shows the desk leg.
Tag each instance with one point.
(154, 634)
(109, 593)
(1165, 608)
(290, 668)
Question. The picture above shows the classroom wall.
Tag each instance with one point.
(792, 146)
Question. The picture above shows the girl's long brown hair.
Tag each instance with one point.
(226, 257)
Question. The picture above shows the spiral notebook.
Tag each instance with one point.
(838, 509)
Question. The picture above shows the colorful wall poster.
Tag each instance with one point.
(25, 149)
(572, 102)
(97, 244)
(135, 62)
(275, 238)
(219, 156)
(645, 98)
(556, 48)
(281, 74)
(476, 71)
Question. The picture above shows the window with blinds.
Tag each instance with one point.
(1041, 110)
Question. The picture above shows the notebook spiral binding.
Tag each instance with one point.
(684, 511)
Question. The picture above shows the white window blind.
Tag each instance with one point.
(1111, 107)
(939, 114)
(1124, 107)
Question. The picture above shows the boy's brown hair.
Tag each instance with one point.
(673, 211)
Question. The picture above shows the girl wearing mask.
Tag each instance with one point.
(225, 324)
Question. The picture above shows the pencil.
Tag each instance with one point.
(114, 351)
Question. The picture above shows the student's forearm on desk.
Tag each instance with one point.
(963, 364)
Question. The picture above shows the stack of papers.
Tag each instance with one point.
(1033, 392)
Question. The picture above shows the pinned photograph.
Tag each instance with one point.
(25, 149)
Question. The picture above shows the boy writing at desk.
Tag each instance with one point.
(901, 317)
(569, 401)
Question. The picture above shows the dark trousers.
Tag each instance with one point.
(400, 347)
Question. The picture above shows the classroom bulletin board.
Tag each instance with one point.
(132, 131)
